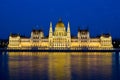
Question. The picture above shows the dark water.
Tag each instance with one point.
(59, 66)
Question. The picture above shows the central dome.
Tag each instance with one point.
(60, 24)
(60, 29)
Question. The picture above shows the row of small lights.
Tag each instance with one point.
(3, 43)
(115, 43)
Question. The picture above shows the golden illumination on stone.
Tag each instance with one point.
(60, 24)
(60, 38)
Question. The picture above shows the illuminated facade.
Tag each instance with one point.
(60, 38)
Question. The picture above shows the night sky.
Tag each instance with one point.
(21, 16)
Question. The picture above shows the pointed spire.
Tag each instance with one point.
(68, 28)
(68, 31)
(50, 24)
(50, 30)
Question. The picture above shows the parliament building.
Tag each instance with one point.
(60, 38)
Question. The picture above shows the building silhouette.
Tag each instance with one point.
(60, 38)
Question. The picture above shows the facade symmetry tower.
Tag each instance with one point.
(60, 38)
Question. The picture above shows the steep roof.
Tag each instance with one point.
(106, 35)
(14, 35)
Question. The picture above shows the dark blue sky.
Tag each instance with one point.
(21, 16)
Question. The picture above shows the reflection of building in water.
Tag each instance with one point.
(62, 66)
(60, 38)
(24, 66)
(4, 67)
(45, 66)
(84, 66)
(59, 66)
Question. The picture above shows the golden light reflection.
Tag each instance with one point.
(87, 64)
(59, 66)
(28, 65)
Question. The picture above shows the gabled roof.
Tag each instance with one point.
(83, 30)
(14, 35)
(106, 35)
(37, 30)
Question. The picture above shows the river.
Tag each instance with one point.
(59, 66)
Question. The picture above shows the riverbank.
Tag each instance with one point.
(51, 50)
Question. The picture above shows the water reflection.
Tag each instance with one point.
(59, 66)
(91, 66)
(116, 66)
(4, 71)
(30, 66)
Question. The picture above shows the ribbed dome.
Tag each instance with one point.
(60, 29)
(60, 24)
